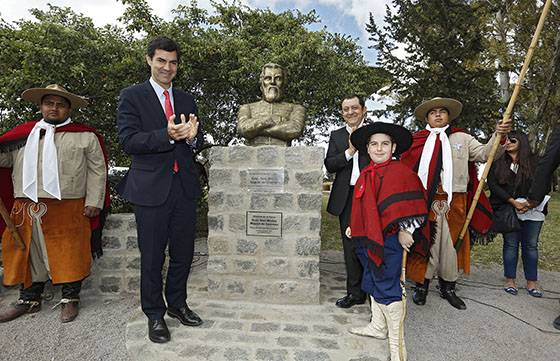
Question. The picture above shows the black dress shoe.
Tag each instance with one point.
(349, 301)
(556, 323)
(158, 331)
(185, 315)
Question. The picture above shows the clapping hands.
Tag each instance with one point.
(184, 130)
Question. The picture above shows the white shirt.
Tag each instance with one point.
(355, 158)
(159, 92)
(161, 97)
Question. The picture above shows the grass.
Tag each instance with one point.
(491, 254)
(330, 228)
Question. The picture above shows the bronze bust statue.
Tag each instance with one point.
(271, 121)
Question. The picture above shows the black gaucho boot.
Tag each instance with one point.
(421, 292)
(447, 291)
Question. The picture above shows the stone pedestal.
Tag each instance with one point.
(264, 219)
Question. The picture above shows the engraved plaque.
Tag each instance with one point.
(266, 180)
(264, 224)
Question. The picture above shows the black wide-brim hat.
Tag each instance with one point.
(401, 136)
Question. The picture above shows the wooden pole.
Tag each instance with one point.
(506, 117)
(10, 225)
(403, 284)
(403, 269)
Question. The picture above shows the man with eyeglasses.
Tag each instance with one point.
(444, 156)
(59, 180)
(345, 161)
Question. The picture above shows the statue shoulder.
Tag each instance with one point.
(257, 104)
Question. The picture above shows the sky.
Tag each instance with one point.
(340, 16)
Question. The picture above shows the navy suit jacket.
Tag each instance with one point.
(142, 129)
(336, 162)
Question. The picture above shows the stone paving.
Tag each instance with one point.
(250, 331)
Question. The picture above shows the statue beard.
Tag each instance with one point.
(272, 94)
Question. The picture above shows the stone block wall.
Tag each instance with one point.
(118, 271)
(260, 268)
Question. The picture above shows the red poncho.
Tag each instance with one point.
(16, 138)
(386, 196)
(482, 217)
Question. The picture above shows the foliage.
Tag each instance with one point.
(221, 58)
(444, 57)
(539, 101)
(65, 48)
(458, 48)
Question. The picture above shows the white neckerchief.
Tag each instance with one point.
(51, 183)
(447, 166)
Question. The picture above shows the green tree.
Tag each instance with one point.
(444, 55)
(223, 54)
(538, 105)
(63, 47)
(222, 57)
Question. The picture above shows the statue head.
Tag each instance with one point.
(272, 79)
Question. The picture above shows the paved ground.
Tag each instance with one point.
(495, 326)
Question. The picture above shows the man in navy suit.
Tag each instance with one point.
(346, 162)
(162, 184)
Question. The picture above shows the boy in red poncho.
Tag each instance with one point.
(389, 204)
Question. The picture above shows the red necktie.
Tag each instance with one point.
(168, 114)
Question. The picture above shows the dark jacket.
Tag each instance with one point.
(545, 167)
(501, 192)
(336, 162)
(142, 129)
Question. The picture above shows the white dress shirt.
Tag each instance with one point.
(355, 158)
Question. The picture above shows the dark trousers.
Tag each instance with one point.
(171, 223)
(33, 292)
(354, 268)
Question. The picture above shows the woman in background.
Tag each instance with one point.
(509, 181)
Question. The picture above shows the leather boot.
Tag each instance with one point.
(447, 291)
(394, 314)
(69, 309)
(20, 308)
(421, 292)
(377, 328)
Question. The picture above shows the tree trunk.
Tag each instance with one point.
(503, 76)
(553, 69)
